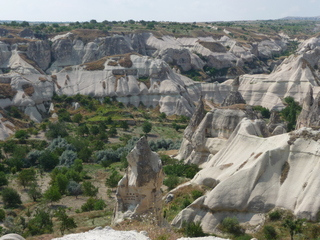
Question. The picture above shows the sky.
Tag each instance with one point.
(158, 10)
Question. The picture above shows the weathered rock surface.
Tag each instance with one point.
(12, 236)
(205, 137)
(253, 175)
(293, 77)
(100, 233)
(138, 192)
(234, 96)
(310, 114)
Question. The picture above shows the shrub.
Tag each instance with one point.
(196, 194)
(10, 197)
(146, 127)
(41, 223)
(231, 225)
(275, 215)
(113, 179)
(265, 112)
(2, 215)
(3, 179)
(171, 181)
(269, 232)
(93, 204)
(192, 229)
(56, 130)
(67, 158)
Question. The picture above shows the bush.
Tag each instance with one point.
(231, 225)
(41, 223)
(56, 130)
(93, 204)
(146, 127)
(275, 215)
(113, 179)
(171, 181)
(290, 112)
(67, 158)
(10, 197)
(269, 233)
(191, 229)
(196, 194)
(2, 215)
(3, 179)
(265, 112)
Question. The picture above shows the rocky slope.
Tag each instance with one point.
(292, 77)
(138, 68)
(253, 175)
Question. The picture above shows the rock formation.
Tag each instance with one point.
(12, 236)
(234, 97)
(276, 126)
(310, 114)
(138, 193)
(205, 137)
(293, 77)
(100, 233)
(253, 175)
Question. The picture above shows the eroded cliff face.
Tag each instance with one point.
(138, 193)
(100, 68)
(207, 134)
(252, 175)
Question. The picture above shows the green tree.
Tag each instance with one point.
(290, 112)
(270, 233)
(48, 160)
(89, 189)
(124, 125)
(112, 131)
(66, 222)
(26, 176)
(113, 179)
(2, 215)
(94, 130)
(61, 181)
(171, 181)
(146, 127)
(52, 194)
(3, 179)
(41, 223)
(10, 197)
(21, 134)
(294, 226)
(34, 192)
(77, 118)
(74, 188)
(56, 130)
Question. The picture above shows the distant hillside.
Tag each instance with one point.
(302, 18)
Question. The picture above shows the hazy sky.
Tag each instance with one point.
(158, 10)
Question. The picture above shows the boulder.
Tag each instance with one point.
(12, 236)
(138, 193)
